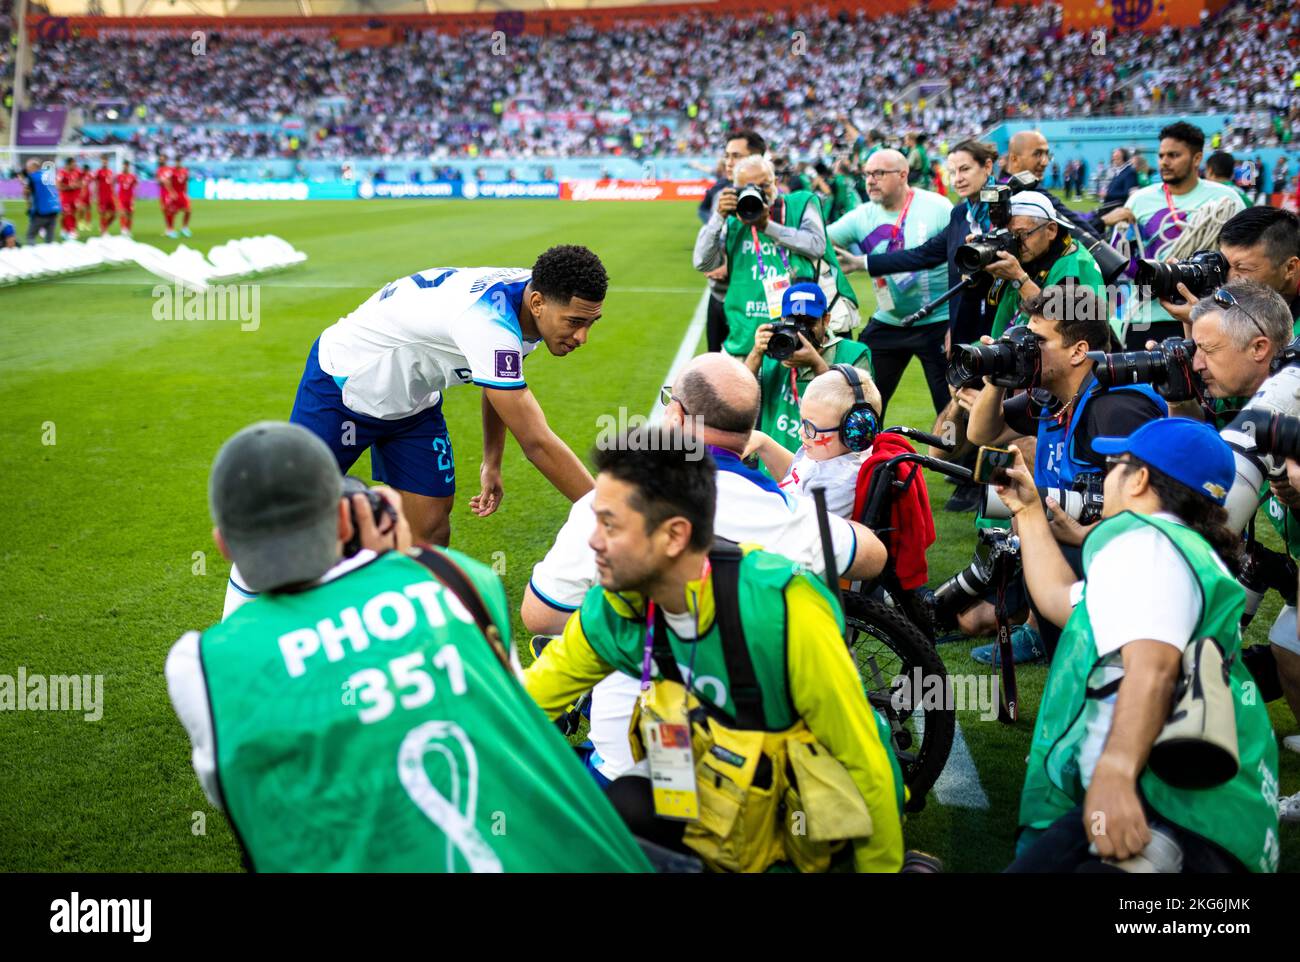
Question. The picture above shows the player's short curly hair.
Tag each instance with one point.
(567, 271)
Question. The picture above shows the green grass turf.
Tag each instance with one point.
(98, 556)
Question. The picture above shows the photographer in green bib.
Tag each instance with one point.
(1114, 781)
(1043, 254)
(756, 744)
(767, 239)
(787, 355)
(363, 714)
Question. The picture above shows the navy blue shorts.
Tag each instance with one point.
(410, 454)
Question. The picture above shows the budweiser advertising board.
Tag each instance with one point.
(634, 189)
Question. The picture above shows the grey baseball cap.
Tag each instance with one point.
(274, 494)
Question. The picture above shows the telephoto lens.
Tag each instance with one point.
(1201, 273)
(1012, 361)
(1168, 369)
(750, 203)
(983, 250)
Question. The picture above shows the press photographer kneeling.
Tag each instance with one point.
(1116, 779)
(1064, 412)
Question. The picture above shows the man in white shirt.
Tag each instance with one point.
(721, 392)
(375, 378)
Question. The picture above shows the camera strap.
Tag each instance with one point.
(1008, 704)
(450, 575)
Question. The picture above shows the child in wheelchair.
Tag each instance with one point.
(839, 420)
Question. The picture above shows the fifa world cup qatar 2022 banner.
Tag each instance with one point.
(41, 127)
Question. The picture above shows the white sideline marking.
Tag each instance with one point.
(685, 350)
(958, 785)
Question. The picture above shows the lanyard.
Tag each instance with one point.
(650, 616)
(897, 232)
(758, 252)
(1169, 199)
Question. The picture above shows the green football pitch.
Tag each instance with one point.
(112, 418)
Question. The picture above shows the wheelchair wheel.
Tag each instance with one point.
(887, 649)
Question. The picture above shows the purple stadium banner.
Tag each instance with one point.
(41, 127)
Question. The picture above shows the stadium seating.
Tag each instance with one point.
(684, 79)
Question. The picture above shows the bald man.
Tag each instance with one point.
(896, 217)
(1028, 151)
(713, 401)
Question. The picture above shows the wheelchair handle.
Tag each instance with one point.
(921, 436)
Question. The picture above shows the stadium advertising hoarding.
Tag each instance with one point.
(463, 189)
(634, 189)
(228, 188)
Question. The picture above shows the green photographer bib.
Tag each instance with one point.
(746, 303)
(1076, 263)
(365, 725)
(1240, 816)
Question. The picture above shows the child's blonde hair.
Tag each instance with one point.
(834, 390)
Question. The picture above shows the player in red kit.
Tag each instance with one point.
(85, 214)
(104, 195)
(126, 182)
(181, 195)
(68, 182)
(164, 177)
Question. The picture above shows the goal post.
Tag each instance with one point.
(13, 160)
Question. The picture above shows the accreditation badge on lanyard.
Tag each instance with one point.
(774, 286)
(903, 282)
(666, 736)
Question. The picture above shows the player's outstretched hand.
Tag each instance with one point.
(490, 493)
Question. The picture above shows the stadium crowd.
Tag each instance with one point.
(673, 85)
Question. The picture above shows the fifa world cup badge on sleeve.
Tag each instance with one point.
(666, 735)
(774, 287)
(508, 363)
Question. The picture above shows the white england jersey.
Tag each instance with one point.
(395, 354)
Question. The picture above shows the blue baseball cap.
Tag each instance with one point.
(1190, 452)
(804, 299)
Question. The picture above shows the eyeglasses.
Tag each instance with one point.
(1225, 298)
(875, 174)
(1021, 236)
(811, 430)
(667, 397)
(1114, 460)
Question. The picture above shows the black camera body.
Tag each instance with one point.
(983, 249)
(1014, 361)
(785, 337)
(751, 202)
(995, 549)
(1201, 273)
(1168, 369)
(1288, 356)
(378, 506)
